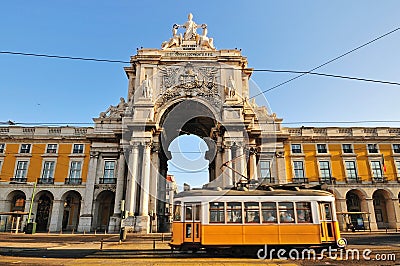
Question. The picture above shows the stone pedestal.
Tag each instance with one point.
(142, 224)
(114, 225)
(85, 223)
(56, 216)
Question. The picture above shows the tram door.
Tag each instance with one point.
(327, 223)
(191, 223)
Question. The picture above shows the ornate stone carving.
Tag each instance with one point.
(189, 81)
(115, 111)
(103, 187)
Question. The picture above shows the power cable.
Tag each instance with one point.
(328, 62)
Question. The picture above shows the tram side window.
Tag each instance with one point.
(188, 213)
(286, 212)
(252, 212)
(234, 212)
(303, 210)
(177, 212)
(217, 214)
(268, 212)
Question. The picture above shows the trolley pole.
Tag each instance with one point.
(31, 204)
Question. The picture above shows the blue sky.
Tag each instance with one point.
(281, 35)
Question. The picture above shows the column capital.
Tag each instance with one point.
(94, 154)
(148, 144)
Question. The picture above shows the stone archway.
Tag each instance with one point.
(71, 208)
(189, 117)
(356, 203)
(383, 209)
(105, 208)
(43, 211)
(17, 200)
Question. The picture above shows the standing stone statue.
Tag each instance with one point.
(146, 88)
(191, 29)
(230, 88)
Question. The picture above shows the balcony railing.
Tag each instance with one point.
(73, 181)
(18, 180)
(300, 180)
(382, 179)
(45, 180)
(107, 181)
(270, 180)
(353, 180)
(327, 180)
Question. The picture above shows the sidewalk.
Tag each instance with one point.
(84, 241)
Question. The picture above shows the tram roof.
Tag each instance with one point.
(234, 192)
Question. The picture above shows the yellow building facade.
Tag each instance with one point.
(361, 166)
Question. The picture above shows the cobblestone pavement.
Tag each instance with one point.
(105, 249)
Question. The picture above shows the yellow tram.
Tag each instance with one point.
(234, 219)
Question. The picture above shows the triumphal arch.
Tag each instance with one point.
(186, 87)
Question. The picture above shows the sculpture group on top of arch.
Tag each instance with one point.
(190, 35)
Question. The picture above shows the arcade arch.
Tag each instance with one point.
(383, 209)
(71, 208)
(104, 206)
(44, 204)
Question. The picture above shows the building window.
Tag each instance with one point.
(351, 170)
(296, 148)
(109, 167)
(217, 214)
(48, 170)
(25, 148)
(108, 176)
(321, 148)
(78, 148)
(372, 148)
(397, 166)
(1, 164)
(2, 147)
(376, 170)
(396, 148)
(252, 212)
(75, 171)
(325, 170)
(22, 168)
(298, 169)
(51, 148)
(265, 170)
(234, 212)
(347, 148)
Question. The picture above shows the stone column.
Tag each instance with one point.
(241, 163)
(86, 216)
(341, 207)
(56, 215)
(132, 179)
(143, 219)
(371, 210)
(253, 165)
(280, 169)
(115, 220)
(154, 176)
(229, 177)
(218, 163)
(394, 211)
